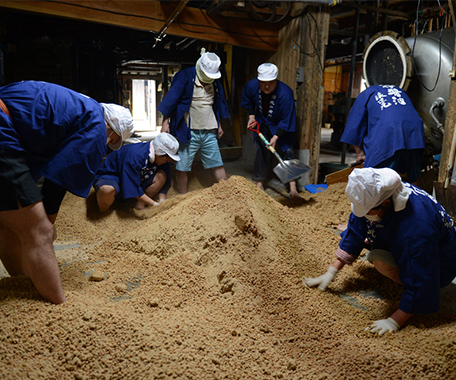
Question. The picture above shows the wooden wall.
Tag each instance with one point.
(302, 44)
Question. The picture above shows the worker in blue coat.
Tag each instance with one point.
(192, 111)
(386, 131)
(141, 171)
(412, 240)
(49, 131)
(271, 103)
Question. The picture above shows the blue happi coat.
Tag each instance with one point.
(383, 120)
(61, 132)
(281, 112)
(129, 166)
(178, 99)
(422, 239)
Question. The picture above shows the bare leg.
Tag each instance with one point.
(294, 190)
(220, 174)
(182, 181)
(342, 227)
(157, 184)
(153, 189)
(260, 185)
(10, 252)
(26, 248)
(387, 270)
(106, 195)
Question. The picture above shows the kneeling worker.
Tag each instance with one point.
(412, 240)
(140, 171)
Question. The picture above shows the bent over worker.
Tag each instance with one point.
(49, 131)
(140, 171)
(412, 240)
(271, 103)
(386, 131)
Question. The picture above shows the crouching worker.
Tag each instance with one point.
(412, 241)
(53, 132)
(140, 171)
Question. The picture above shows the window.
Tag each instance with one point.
(144, 107)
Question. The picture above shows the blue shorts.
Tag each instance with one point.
(406, 162)
(107, 181)
(204, 142)
(16, 182)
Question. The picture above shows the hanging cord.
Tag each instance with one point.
(308, 25)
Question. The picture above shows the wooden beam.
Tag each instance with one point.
(152, 15)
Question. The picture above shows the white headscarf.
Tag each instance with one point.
(367, 188)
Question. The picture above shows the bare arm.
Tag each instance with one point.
(145, 199)
(220, 131)
(165, 124)
(400, 317)
(360, 156)
(251, 120)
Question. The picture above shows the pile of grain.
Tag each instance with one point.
(208, 285)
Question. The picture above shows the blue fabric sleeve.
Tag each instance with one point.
(356, 126)
(420, 277)
(173, 97)
(287, 110)
(353, 238)
(248, 96)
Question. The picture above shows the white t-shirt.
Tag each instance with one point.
(201, 112)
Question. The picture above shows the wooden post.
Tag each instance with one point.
(310, 93)
(450, 122)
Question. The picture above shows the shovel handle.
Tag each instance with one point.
(255, 127)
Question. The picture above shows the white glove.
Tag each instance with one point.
(383, 325)
(323, 280)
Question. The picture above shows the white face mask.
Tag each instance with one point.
(109, 137)
(373, 218)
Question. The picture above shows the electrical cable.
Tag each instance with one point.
(315, 49)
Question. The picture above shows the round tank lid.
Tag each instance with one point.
(386, 60)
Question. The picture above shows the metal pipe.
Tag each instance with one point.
(438, 103)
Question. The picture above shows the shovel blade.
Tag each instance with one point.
(291, 170)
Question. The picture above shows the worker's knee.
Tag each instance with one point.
(384, 262)
(106, 190)
(40, 233)
(160, 178)
(106, 195)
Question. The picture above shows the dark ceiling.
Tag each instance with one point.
(130, 44)
(40, 42)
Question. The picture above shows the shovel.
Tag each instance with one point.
(288, 170)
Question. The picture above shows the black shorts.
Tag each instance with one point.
(16, 182)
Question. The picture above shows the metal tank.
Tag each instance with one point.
(420, 65)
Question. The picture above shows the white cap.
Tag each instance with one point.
(209, 63)
(267, 72)
(120, 120)
(367, 188)
(166, 144)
